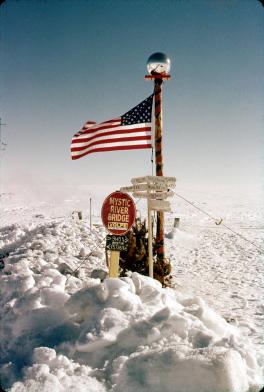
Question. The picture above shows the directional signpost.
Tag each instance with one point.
(155, 189)
(118, 215)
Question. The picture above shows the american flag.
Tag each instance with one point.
(132, 130)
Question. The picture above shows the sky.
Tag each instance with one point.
(65, 62)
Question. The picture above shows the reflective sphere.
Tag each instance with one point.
(158, 63)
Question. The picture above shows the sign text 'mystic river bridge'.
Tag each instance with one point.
(118, 213)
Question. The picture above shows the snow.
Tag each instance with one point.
(52, 372)
(74, 332)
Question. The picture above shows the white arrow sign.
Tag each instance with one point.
(160, 205)
(140, 195)
(144, 187)
(133, 188)
(153, 195)
(154, 180)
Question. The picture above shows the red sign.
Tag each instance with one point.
(118, 213)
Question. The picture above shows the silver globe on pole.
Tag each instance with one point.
(158, 63)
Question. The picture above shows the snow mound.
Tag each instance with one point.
(149, 338)
(51, 372)
(126, 334)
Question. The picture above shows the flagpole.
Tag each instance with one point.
(158, 66)
(159, 163)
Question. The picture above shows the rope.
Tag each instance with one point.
(220, 222)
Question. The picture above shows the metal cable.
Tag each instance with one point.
(220, 222)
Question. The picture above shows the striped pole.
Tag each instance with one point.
(159, 164)
(158, 66)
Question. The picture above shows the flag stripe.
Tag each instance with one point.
(99, 127)
(89, 123)
(112, 148)
(110, 141)
(93, 129)
(120, 131)
(86, 129)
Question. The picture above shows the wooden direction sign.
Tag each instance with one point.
(153, 195)
(116, 242)
(144, 187)
(160, 205)
(169, 181)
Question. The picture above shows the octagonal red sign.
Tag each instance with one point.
(118, 213)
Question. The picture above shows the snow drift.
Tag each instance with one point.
(75, 333)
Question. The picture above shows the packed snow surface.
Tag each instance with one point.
(62, 329)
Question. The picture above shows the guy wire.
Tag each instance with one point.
(220, 222)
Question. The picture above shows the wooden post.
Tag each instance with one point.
(159, 164)
(150, 250)
(114, 264)
(176, 222)
(90, 213)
